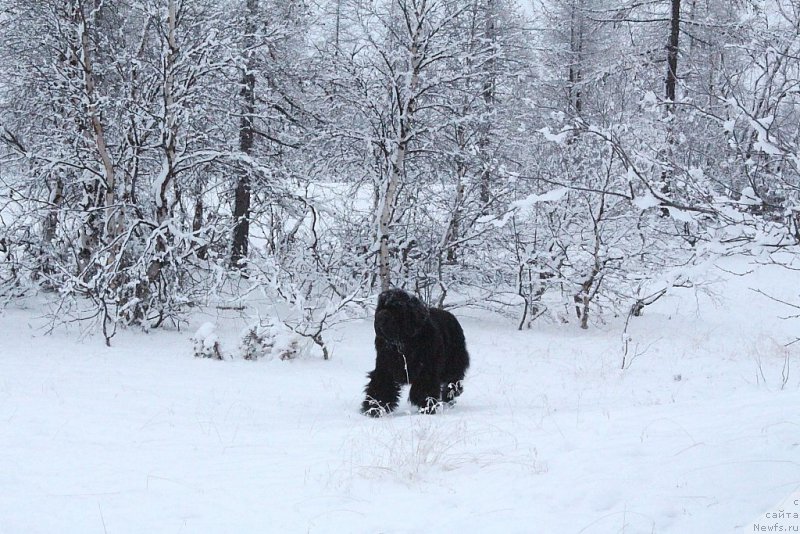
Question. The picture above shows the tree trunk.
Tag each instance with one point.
(406, 107)
(387, 214)
(576, 59)
(94, 115)
(489, 100)
(169, 145)
(98, 193)
(670, 85)
(672, 51)
(338, 26)
(198, 220)
(170, 120)
(454, 227)
(241, 200)
(50, 224)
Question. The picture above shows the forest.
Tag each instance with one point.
(551, 160)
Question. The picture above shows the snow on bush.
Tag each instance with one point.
(289, 349)
(256, 342)
(206, 342)
(267, 340)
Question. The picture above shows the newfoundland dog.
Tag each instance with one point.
(415, 345)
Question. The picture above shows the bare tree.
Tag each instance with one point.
(241, 202)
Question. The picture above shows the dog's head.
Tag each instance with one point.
(399, 316)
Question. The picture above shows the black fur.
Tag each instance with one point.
(415, 345)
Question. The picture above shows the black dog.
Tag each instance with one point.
(415, 345)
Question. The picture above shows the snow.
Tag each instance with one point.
(646, 201)
(206, 333)
(650, 99)
(729, 125)
(558, 138)
(550, 196)
(699, 434)
(680, 215)
(526, 203)
(761, 126)
(206, 341)
(749, 197)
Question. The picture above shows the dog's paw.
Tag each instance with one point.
(453, 390)
(432, 406)
(374, 408)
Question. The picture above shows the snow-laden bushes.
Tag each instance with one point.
(263, 340)
(268, 340)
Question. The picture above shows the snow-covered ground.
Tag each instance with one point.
(701, 433)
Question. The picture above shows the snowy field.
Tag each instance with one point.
(700, 435)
